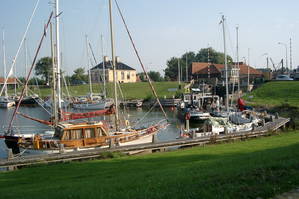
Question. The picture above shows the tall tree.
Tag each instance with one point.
(203, 55)
(79, 75)
(155, 76)
(44, 68)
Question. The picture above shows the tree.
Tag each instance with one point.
(155, 76)
(205, 54)
(44, 68)
(79, 76)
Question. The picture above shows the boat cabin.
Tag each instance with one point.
(80, 135)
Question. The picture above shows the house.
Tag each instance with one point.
(11, 81)
(124, 73)
(216, 72)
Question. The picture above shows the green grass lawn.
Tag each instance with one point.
(276, 93)
(261, 167)
(138, 90)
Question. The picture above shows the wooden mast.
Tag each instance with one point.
(114, 68)
(58, 63)
(225, 64)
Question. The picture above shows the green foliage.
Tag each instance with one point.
(155, 76)
(259, 168)
(79, 76)
(44, 68)
(171, 71)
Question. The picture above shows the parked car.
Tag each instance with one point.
(283, 78)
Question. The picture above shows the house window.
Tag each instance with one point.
(128, 75)
(122, 75)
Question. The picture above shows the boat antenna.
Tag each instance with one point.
(139, 59)
(114, 67)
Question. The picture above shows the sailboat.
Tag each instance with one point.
(92, 102)
(71, 135)
(5, 101)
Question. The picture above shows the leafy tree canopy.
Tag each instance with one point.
(79, 76)
(44, 68)
(155, 76)
(204, 55)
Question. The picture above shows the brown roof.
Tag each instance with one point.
(252, 71)
(202, 68)
(10, 80)
(197, 66)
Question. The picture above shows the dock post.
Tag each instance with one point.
(187, 125)
(263, 122)
(253, 127)
(117, 142)
(111, 143)
(271, 118)
(225, 130)
(276, 116)
(61, 148)
(154, 138)
(9, 154)
(193, 134)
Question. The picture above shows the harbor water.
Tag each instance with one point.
(137, 117)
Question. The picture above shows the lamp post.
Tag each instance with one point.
(286, 47)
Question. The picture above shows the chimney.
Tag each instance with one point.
(117, 59)
(106, 58)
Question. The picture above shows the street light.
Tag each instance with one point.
(286, 46)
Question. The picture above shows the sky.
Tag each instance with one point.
(161, 29)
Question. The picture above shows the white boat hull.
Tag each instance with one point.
(93, 106)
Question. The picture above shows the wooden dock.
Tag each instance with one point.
(268, 129)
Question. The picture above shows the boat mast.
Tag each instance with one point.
(238, 64)
(88, 65)
(225, 64)
(114, 67)
(4, 63)
(54, 94)
(26, 65)
(58, 64)
(248, 71)
(103, 72)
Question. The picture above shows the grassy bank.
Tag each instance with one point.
(139, 90)
(261, 167)
(280, 96)
(276, 93)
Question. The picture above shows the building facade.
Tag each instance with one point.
(124, 73)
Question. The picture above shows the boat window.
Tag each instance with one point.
(67, 135)
(77, 134)
(89, 133)
(100, 132)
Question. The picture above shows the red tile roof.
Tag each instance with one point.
(10, 80)
(202, 68)
(197, 66)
